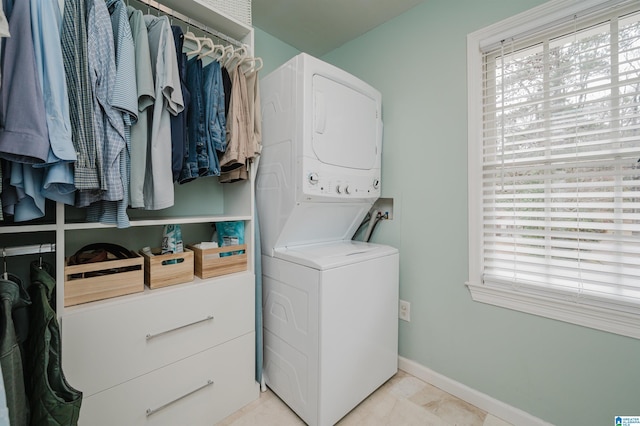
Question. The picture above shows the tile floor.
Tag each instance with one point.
(402, 400)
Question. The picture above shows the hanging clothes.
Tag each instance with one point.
(124, 94)
(158, 185)
(11, 355)
(146, 99)
(179, 121)
(24, 137)
(23, 130)
(20, 312)
(57, 180)
(214, 117)
(4, 25)
(75, 58)
(108, 123)
(196, 126)
(227, 85)
(255, 115)
(208, 164)
(52, 399)
(123, 99)
(4, 32)
(4, 410)
(237, 124)
(6, 197)
(23, 189)
(249, 148)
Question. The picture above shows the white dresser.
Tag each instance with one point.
(181, 355)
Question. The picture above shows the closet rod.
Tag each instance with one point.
(168, 11)
(30, 249)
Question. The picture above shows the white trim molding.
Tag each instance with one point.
(491, 405)
(600, 318)
(544, 16)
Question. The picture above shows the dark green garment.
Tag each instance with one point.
(10, 355)
(52, 400)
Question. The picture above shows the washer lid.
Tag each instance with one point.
(334, 254)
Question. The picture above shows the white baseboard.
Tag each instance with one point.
(491, 405)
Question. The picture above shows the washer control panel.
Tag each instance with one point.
(354, 185)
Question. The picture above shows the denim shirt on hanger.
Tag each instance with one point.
(214, 116)
(179, 122)
(195, 123)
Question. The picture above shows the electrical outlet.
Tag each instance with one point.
(404, 311)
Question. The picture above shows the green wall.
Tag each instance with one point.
(561, 373)
(272, 51)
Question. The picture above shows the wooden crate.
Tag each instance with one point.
(208, 262)
(160, 272)
(101, 280)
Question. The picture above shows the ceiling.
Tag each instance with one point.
(319, 26)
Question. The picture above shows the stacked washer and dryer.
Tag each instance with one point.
(330, 304)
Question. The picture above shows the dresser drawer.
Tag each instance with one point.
(107, 344)
(199, 390)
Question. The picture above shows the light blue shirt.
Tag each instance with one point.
(58, 179)
(108, 122)
(124, 98)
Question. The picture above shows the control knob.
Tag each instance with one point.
(313, 178)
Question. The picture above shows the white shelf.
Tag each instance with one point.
(200, 11)
(18, 229)
(158, 221)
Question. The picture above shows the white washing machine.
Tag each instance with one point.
(330, 326)
(330, 304)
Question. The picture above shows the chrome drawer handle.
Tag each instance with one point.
(151, 411)
(151, 336)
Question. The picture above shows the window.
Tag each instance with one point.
(554, 171)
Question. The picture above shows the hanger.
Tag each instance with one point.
(238, 55)
(206, 46)
(213, 48)
(226, 53)
(40, 257)
(192, 37)
(252, 63)
(221, 49)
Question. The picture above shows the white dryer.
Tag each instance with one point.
(330, 304)
(321, 152)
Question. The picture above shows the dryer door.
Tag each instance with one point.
(346, 125)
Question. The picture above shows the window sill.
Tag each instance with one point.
(592, 316)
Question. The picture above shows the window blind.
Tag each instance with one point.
(560, 171)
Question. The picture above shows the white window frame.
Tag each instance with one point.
(596, 315)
